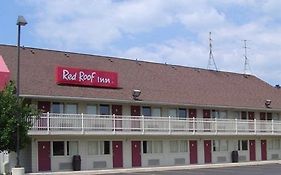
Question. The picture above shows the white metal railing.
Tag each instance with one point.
(50, 122)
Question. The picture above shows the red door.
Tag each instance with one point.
(192, 114)
(193, 151)
(44, 161)
(263, 150)
(117, 147)
(206, 115)
(262, 117)
(252, 144)
(136, 153)
(117, 110)
(44, 106)
(251, 116)
(208, 151)
(135, 113)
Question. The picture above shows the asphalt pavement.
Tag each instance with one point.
(272, 167)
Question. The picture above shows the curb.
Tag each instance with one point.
(165, 168)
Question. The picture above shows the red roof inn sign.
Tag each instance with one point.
(86, 77)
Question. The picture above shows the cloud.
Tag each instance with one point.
(118, 28)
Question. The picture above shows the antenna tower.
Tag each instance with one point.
(211, 63)
(247, 69)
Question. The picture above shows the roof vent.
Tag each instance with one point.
(109, 59)
(32, 51)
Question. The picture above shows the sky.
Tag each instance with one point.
(163, 31)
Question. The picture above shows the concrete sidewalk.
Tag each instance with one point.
(150, 169)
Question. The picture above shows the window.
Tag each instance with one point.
(72, 148)
(178, 146)
(236, 114)
(104, 110)
(91, 109)
(70, 109)
(182, 113)
(64, 108)
(146, 111)
(172, 112)
(156, 112)
(269, 116)
(275, 116)
(220, 145)
(150, 147)
(244, 115)
(98, 147)
(274, 144)
(219, 114)
(57, 107)
(93, 148)
(242, 145)
(58, 148)
(174, 146)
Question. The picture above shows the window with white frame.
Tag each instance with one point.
(220, 145)
(58, 148)
(152, 147)
(67, 108)
(275, 116)
(62, 148)
(177, 146)
(98, 147)
(274, 144)
(172, 112)
(104, 109)
(91, 109)
(57, 107)
(146, 111)
(219, 114)
(71, 148)
(242, 145)
(156, 112)
(70, 109)
(182, 113)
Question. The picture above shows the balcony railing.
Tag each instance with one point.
(50, 123)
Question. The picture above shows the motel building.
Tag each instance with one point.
(121, 113)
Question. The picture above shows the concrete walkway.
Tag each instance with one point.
(150, 169)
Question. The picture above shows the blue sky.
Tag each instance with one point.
(171, 31)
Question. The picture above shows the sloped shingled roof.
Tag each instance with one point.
(159, 83)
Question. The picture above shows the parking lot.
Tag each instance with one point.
(270, 169)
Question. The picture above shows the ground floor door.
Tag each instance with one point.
(44, 160)
(252, 145)
(208, 151)
(263, 150)
(136, 153)
(117, 150)
(193, 152)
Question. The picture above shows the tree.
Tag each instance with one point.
(14, 112)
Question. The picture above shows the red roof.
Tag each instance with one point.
(159, 83)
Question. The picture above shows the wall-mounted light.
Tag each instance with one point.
(267, 103)
(136, 93)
